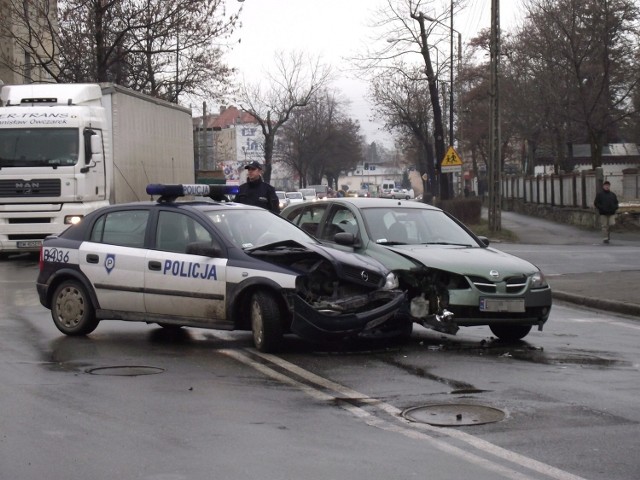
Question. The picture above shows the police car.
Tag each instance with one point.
(212, 264)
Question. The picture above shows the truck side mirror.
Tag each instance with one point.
(96, 147)
(92, 146)
(88, 135)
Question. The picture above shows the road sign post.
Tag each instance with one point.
(451, 162)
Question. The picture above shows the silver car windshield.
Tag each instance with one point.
(250, 228)
(414, 227)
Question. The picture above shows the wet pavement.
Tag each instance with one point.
(618, 291)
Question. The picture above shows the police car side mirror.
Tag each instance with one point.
(345, 238)
(204, 249)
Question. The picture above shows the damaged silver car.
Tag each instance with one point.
(452, 277)
(211, 264)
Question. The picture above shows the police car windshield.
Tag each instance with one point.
(250, 228)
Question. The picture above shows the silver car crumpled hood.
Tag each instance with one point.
(467, 260)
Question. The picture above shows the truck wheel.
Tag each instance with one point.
(265, 322)
(510, 332)
(71, 309)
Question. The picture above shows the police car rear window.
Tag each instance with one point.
(125, 228)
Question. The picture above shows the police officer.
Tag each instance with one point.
(256, 191)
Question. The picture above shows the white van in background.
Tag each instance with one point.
(385, 188)
(321, 190)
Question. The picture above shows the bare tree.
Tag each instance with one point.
(271, 102)
(161, 47)
(409, 32)
(323, 141)
(403, 101)
(585, 54)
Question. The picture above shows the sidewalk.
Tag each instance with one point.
(617, 292)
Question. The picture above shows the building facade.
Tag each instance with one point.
(226, 141)
(20, 58)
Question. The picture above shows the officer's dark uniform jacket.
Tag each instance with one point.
(260, 194)
(606, 202)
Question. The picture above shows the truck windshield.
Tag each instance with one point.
(38, 147)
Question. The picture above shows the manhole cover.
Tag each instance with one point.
(453, 414)
(126, 371)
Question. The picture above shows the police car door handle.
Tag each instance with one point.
(92, 258)
(155, 265)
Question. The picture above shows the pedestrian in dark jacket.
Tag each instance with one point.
(256, 191)
(607, 204)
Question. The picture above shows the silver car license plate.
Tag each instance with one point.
(29, 244)
(502, 304)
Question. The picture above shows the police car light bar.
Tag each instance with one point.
(171, 192)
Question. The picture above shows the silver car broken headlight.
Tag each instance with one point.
(392, 282)
(538, 280)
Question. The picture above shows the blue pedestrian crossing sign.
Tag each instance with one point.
(451, 161)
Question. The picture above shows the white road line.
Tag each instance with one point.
(408, 429)
(377, 422)
(457, 434)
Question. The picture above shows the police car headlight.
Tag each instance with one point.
(538, 280)
(391, 282)
(72, 219)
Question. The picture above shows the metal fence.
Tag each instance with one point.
(576, 190)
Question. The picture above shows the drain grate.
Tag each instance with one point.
(453, 414)
(126, 370)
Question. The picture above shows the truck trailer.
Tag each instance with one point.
(68, 149)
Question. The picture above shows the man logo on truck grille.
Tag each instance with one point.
(27, 188)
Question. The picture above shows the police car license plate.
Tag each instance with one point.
(502, 305)
(29, 244)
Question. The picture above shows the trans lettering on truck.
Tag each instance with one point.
(189, 270)
(28, 115)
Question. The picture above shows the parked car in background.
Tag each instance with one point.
(409, 192)
(322, 191)
(212, 265)
(282, 196)
(309, 194)
(452, 277)
(294, 197)
(396, 193)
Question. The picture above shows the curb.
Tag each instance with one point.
(623, 308)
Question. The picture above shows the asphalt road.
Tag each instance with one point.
(579, 267)
(134, 401)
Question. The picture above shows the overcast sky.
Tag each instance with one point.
(335, 29)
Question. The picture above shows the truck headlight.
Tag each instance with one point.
(72, 219)
(391, 282)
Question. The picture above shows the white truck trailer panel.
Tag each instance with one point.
(152, 143)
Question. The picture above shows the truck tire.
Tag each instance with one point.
(510, 332)
(266, 325)
(71, 309)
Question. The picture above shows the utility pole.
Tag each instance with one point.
(495, 160)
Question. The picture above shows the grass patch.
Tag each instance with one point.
(504, 235)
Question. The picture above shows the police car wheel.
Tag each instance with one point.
(510, 332)
(265, 322)
(71, 309)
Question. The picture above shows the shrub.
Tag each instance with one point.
(467, 210)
